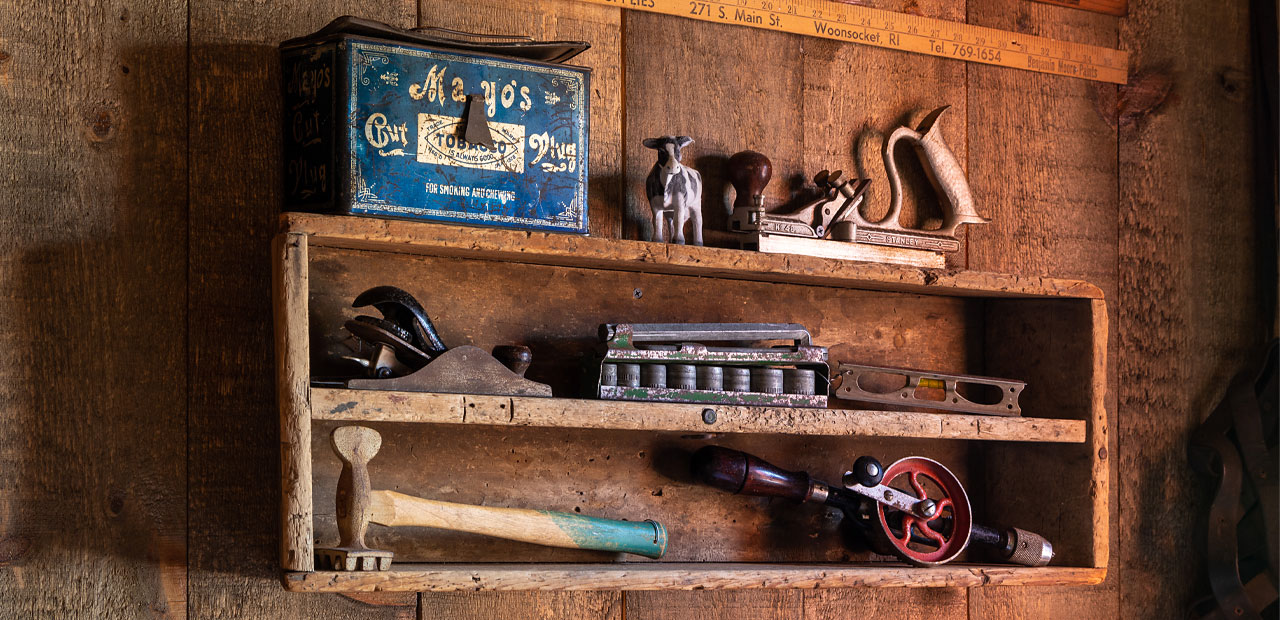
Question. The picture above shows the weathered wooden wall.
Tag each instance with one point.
(138, 185)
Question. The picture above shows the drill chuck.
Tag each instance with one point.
(1026, 548)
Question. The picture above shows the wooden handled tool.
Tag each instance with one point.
(355, 445)
(924, 527)
(357, 506)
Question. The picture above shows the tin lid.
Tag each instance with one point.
(513, 46)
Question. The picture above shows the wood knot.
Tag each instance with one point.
(1102, 453)
(115, 503)
(912, 7)
(1129, 104)
(101, 124)
(1235, 84)
(1023, 23)
(12, 548)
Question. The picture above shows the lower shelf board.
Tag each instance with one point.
(681, 576)
(422, 407)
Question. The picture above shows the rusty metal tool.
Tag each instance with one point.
(836, 215)
(358, 506)
(750, 172)
(403, 351)
(673, 362)
(355, 446)
(921, 388)
(929, 524)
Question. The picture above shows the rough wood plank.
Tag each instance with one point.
(1191, 307)
(93, 172)
(487, 303)
(855, 95)
(677, 576)
(727, 87)
(565, 250)
(1109, 7)
(912, 604)
(290, 286)
(610, 474)
(377, 406)
(1032, 342)
(1035, 603)
(1042, 159)
(546, 605)
(234, 558)
(601, 26)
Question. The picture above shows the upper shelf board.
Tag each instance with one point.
(408, 237)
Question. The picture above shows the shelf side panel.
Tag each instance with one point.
(290, 286)
(1055, 490)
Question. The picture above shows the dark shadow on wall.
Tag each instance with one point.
(94, 286)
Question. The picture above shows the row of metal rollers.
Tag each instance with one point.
(710, 378)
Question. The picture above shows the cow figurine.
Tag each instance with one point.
(674, 191)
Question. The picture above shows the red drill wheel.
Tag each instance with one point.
(939, 539)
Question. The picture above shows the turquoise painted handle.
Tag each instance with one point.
(645, 538)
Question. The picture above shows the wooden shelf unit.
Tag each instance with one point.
(1046, 472)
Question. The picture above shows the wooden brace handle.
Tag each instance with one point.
(543, 527)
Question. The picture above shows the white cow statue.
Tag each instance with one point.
(674, 191)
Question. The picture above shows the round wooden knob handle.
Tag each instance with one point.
(749, 172)
(515, 357)
(356, 444)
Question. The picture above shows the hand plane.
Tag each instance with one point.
(835, 214)
(402, 351)
(915, 508)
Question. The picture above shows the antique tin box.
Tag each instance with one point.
(374, 122)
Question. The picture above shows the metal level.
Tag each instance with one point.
(909, 394)
(899, 31)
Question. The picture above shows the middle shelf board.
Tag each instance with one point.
(385, 406)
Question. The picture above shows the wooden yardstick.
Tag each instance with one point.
(908, 33)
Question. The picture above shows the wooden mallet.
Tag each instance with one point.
(357, 506)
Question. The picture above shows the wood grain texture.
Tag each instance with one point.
(915, 604)
(1186, 282)
(727, 87)
(1041, 158)
(378, 406)
(1109, 7)
(855, 95)
(714, 605)
(290, 286)
(683, 582)
(545, 605)
(610, 474)
(234, 198)
(93, 172)
(96, 101)
(565, 250)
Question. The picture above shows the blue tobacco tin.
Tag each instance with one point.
(375, 126)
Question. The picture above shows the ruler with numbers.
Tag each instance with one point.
(899, 31)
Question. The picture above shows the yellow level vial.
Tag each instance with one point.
(899, 31)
